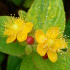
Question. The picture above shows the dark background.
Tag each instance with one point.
(7, 8)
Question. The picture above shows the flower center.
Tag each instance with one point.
(50, 42)
(15, 27)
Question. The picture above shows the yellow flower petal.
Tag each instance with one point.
(52, 32)
(40, 36)
(60, 44)
(9, 32)
(41, 50)
(11, 39)
(21, 36)
(18, 24)
(28, 27)
(52, 55)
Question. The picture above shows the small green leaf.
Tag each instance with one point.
(27, 64)
(64, 50)
(47, 13)
(27, 3)
(28, 50)
(13, 48)
(17, 2)
(22, 14)
(13, 63)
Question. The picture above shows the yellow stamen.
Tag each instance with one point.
(50, 42)
(18, 29)
(15, 27)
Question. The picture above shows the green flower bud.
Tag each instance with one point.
(28, 49)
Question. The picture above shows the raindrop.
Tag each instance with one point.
(39, 7)
(46, 16)
(61, 53)
(67, 42)
(49, 8)
(17, 17)
(14, 14)
(10, 14)
(67, 36)
(60, 28)
(63, 31)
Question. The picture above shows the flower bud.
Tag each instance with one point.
(28, 50)
(30, 40)
(45, 56)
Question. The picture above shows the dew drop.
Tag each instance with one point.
(46, 16)
(67, 36)
(61, 53)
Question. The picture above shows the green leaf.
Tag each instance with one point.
(47, 13)
(12, 48)
(13, 63)
(67, 29)
(22, 14)
(1, 57)
(63, 62)
(27, 64)
(28, 50)
(27, 3)
(17, 2)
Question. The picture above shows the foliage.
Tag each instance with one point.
(43, 14)
(24, 3)
(27, 3)
(13, 63)
(67, 29)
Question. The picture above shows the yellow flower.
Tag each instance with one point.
(50, 43)
(18, 29)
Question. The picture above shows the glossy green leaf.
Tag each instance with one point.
(17, 2)
(27, 3)
(22, 14)
(47, 13)
(12, 48)
(1, 57)
(27, 64)
(13, 63)
(63, 62)
(28, 50)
